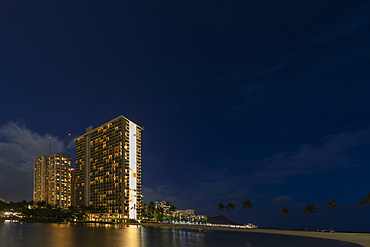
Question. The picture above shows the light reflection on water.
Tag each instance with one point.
(91, 235)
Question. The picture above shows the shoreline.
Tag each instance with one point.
(362, 239)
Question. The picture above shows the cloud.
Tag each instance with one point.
(259, 180)
(18, 148)
(236, 182)
(307, 65)
(159, 193)
(250, 96)
(281, 200)
(334, 152)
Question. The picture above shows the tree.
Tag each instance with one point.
(365, 201)
(41, 204)
(158, 214)
(247, 204)
(230, 206)
(102, 209)
(81, 217)
(151, 208)
(332, 205)
(284, 211)
(309, 209)
(220, 207)
(144, 211)
(170, 211)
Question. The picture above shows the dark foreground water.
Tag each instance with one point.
(92, 235)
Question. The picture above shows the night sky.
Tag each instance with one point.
(265, 101)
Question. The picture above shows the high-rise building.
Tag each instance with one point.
(52, 180)
(40, 179)
(59, 180)
(108, 168)
(73, 187)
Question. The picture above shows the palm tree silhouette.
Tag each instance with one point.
(247, 204)
(332, 205)
(365, 201)
(220, 207)
(230, 206)
(309, 209)
(284, 211)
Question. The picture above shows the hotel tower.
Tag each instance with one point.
(108, 168)
(52, 180)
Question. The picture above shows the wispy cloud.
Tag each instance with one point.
(18, 148)
(160, 193)
(354, 22)
(341, 31)
(334, 152)
(236, 182)
(281, 200)
(307, 64)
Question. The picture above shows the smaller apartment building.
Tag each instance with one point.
(52, 180)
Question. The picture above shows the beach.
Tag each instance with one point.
(362, 239)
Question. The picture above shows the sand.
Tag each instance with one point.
(362, 239)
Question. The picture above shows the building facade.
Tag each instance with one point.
(189, 216)
(165, 205)
(108, 168)
(52, 180)
(40, 179)
(73, 187)
(59, 180)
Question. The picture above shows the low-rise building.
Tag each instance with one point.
(106, 217)
(189, 216)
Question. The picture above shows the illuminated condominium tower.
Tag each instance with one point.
(52, 180)
(39, 179)
(108, 168)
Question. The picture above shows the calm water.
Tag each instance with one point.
(81, 235)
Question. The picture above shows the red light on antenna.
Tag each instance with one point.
(69, 134)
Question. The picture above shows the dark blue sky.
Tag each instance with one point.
(259, 100)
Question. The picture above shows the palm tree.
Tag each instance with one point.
(284, 211)
(332, 205)
(309, 209)
(220, 207)
(247, 204)
(365, 201)
(230, 206)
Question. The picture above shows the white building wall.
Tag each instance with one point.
(133, 171)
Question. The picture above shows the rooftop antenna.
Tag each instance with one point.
(69, 153)
(50, 145)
